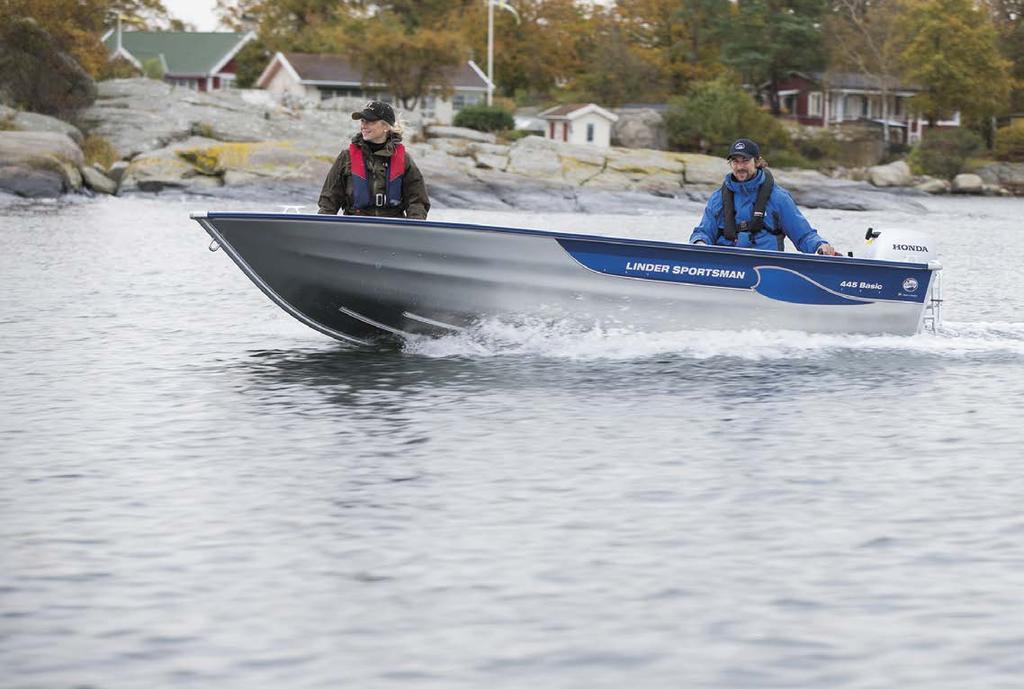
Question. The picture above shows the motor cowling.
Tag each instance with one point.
(897, 244)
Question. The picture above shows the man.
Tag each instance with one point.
(751, 211)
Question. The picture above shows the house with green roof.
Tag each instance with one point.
(202, 61)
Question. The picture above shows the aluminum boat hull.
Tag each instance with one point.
(361, 279)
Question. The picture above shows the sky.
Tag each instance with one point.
(200, 12)
(196, 12)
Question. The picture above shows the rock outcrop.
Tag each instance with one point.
(234, 143)
(640, 128)
(1009, 176)
(20, 120)
(37, 164)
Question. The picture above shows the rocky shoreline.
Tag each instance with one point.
(238, 143)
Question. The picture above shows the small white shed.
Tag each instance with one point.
(579, 123)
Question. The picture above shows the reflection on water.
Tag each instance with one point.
(196, 490)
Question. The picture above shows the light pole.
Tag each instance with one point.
(490, 42)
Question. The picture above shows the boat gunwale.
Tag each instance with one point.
(552, 234)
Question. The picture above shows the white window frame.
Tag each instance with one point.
(814, 104)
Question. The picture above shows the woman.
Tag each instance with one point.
(375, 175)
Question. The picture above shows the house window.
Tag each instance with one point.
(590, 133)
(814, 104)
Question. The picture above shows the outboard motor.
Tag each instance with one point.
(899, 245)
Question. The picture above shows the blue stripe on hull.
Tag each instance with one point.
(780, 277)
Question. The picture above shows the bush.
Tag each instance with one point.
(484, 118)
(153, 68)
(1009, 144)
(787, 158)
(943, 152)
(716, 113)
(96, 149)
(512, 135)
(7, 122)
(821, 147)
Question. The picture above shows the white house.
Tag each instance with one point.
(579, 123)
(311, 76)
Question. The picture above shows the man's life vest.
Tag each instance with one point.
(756, 224)
(394, 168)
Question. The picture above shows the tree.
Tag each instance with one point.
(615, 74)
(715, 113)
(534, 55)
(864, 36)
(412, 63)
(767, 39)
(677, 36)
(73, 25)
(1008, 17)
(951, 51)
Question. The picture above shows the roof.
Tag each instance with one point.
(856, 81)
(336, 70)
(184, 53)
(573, 111)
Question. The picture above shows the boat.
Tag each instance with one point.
(366, 280)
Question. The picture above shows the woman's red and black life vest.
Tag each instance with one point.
(394, 167)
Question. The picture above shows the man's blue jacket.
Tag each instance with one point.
(781, 211)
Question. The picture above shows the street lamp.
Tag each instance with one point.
(491, 4)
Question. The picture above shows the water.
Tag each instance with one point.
(197, 491)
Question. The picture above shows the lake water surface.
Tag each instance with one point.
(198, 491)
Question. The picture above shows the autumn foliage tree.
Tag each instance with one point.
(414, 64)
(951, 50)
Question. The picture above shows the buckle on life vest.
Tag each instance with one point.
(381, 200)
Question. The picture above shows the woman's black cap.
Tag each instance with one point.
(376, 110)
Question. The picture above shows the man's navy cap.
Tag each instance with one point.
(376, 110)
(744, 147)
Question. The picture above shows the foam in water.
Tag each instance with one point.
(494, 337)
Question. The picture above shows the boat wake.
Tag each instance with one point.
(498, 338)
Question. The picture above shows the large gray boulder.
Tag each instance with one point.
(968, 184)
(35, 122)
(1009, 176)
(166, 168)
(97, 181)
(31, 183)
(703, 169)
(640, 128)
(536, 157)
(35, 74)
(934, 185)
(892, 175)
(48, 161)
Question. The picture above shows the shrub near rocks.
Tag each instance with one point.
(1009, 144)
(96, 149)
(942, 153)
(484, 118)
